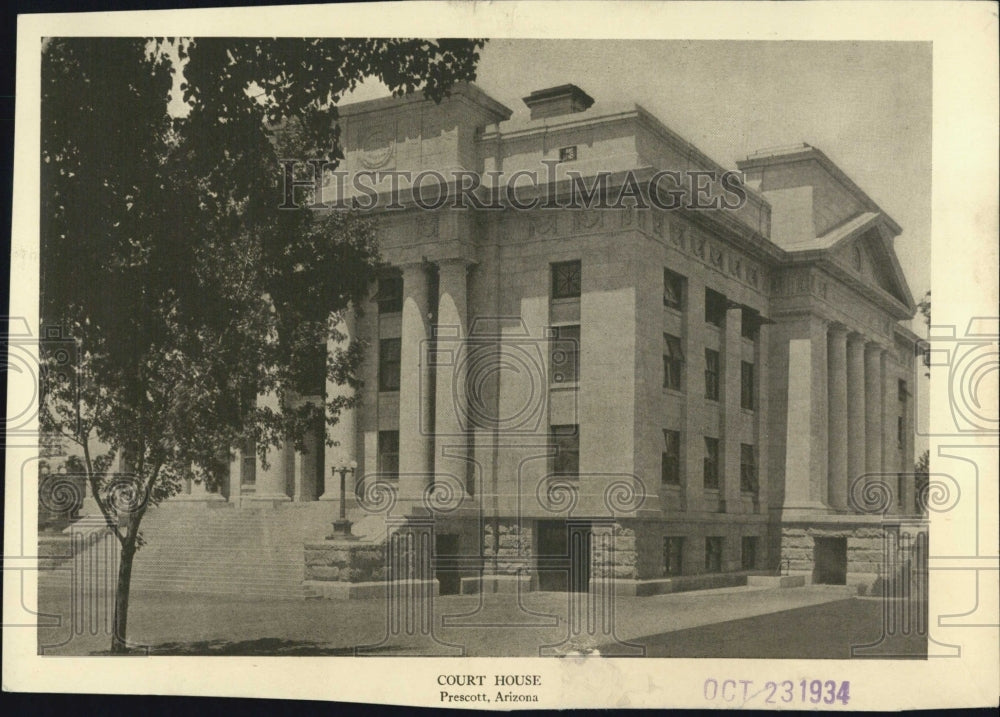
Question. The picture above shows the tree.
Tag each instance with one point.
(167, 266)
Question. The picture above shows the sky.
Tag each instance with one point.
(866, 105)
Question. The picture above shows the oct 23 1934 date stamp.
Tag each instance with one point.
(800, 693)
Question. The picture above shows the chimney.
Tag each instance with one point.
(555, 101)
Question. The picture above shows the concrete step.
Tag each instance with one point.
(254, 554)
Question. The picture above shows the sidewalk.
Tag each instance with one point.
(497, 626)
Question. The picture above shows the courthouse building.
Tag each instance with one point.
(721, 391)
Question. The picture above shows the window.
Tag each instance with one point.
(711, 375)
(715, 308)
(248, 463)
(711, 462)
(390, 293)
(673, 289)
(672, 361)
(748, 554)
(900, 431)
(567, 154)
(673, 552)
(857, 258)
(564, 357)
(388, 454)
(746, 385)
(566, 280)
(388, 364)
(713, 554)
(670, 466)
(903, 391)
(566, 441)
(748, 469)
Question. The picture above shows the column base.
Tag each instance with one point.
(266, 498)
(805, 510)
(197, 498)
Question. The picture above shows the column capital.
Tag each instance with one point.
(835, 327)
(875, 347)
(454, 263)
(413, 267)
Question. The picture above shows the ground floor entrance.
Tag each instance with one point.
(563, 555)
(445, 554)
(830, 561)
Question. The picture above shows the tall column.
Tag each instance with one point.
(890, 402)
(907, 457)
(450, 429)
(306, 467)
(837, 393)
(762, 414)
(873, 408)
(732, 354)
(856, 462)
(271, 483)
(806, 429)
(415, 439)
(692, 383)
(344, 431)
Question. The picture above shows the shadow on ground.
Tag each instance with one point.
(270, 646)
(828, 631)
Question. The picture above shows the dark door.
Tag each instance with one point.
(563, 558)
(580, 539)
(445, 569)
(830, 561)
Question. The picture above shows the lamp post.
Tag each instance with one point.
(342, 526)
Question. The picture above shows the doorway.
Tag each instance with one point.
(830, 561)
(445, 569)
(563, 556)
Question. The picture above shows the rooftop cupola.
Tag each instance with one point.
(555, 101)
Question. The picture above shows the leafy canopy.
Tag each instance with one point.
(170, 277)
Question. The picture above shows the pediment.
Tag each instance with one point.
(866, 252)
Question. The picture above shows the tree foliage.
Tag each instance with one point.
(166, 265)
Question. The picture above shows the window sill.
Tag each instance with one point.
(747, 411)
(565, 300)
(673, 391)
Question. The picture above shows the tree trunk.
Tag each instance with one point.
(118, 641)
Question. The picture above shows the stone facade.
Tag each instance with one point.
(738, 382)
(345, 562)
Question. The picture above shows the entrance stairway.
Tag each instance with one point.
(251, 553)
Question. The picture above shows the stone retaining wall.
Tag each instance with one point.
(513, 550)
(345, 562)
(614, 552)
(869, 566)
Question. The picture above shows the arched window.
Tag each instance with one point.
(857, 257)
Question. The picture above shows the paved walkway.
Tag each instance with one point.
(813, 621)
